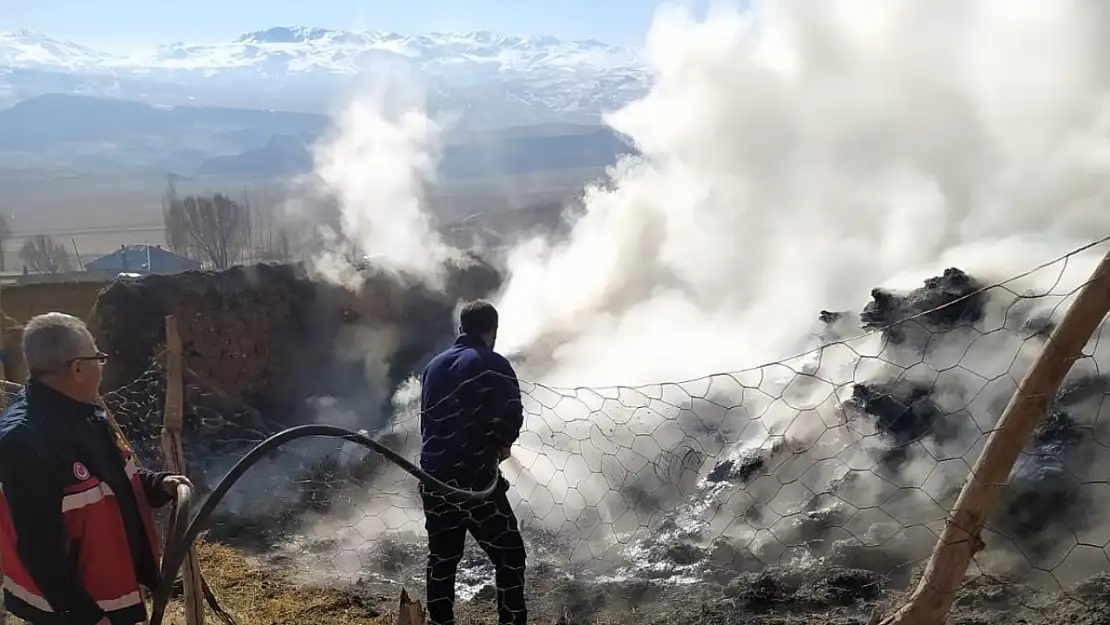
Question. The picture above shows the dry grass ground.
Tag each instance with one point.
(253, 596)
(256, 597)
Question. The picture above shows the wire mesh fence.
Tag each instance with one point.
(814, 485)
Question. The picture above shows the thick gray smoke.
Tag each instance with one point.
(799, 154)
(795, 156)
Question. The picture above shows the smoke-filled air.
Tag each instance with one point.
(376, 164)
(794, 156)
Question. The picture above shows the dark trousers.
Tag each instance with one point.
(493, 524)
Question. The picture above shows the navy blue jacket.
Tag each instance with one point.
(470, 409)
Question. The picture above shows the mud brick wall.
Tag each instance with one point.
(264, 336)
(238, 342)
(20, 302)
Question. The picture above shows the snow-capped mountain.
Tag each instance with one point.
(303, 49)
(28, 49)
(250, 106)
(485, 77)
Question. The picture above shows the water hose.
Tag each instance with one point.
(180, 534)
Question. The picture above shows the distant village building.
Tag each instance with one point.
(142, 259)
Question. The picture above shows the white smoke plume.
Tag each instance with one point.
(794, 156)
(799, 154)
(376, 162)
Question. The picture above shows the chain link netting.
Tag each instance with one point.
(813, 486)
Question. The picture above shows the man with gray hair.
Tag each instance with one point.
(77, 534)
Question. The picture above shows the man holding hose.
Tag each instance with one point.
(471, 415)
(77, 535)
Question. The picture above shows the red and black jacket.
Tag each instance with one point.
(77, 535)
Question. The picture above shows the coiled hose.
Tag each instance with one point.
(180, 534)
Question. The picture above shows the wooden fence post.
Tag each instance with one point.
(173, 458)
(409, 612)
(3, 354)
(960, 541)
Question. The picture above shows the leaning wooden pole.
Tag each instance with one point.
(173, 458)
(960, 541)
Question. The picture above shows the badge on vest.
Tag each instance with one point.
(80, 471)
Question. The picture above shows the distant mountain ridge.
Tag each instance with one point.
(304, 48)
(29, 49)
(252, 104)
(50, 121)
(83, 132)
(485, 76)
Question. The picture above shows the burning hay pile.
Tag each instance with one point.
(859, 481)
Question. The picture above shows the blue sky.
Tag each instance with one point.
(127, 25)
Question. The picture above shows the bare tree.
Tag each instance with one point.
(218, 228)
(176, 230)
(42, 254)
(269, 238)
(274, 249)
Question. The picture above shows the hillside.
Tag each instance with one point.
(116, 136)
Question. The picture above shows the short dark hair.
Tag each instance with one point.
(477, 318)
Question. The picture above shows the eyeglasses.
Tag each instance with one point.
(100, 358)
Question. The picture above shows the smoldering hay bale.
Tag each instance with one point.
(943, 303)
(1044, 496)
(1042, 486)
